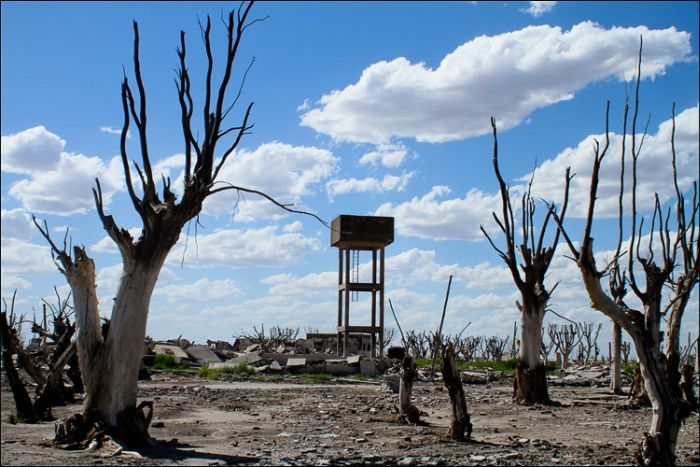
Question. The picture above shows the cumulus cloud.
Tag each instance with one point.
(57, 182)
(368, 185)
(263, 247)
(537, 9)
(508, 76)
(201, 291)
(29, 150)
(16, 223)
(450, 219)
(107, 245)
(282, 171)
(389, 155)
(114, 131)
(654, 169)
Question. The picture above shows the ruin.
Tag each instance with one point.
(352, 234)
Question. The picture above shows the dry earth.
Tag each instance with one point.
(289, 421)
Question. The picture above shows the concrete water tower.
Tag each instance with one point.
(352, 234)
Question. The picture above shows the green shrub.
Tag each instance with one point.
(208, 373)
(242, 369)
(168, 362)
(316, 377)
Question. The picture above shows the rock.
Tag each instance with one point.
(368, 368)
(296, 363)
(407, 461)
(391, 383)
(353, 360)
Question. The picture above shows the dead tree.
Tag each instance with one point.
(23, 403)
(546, 348)
(460, 425)
(418, 343)
(530, 384)
(589, 338)
(672, 401)
(110, 364)
(408, 413)
(626, 348)
(494, 348)
(565, 337)
(468, 347)
(514, 343)
(50, 390)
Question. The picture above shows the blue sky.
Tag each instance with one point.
(360, 108)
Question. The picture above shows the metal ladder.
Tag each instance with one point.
(355, 273)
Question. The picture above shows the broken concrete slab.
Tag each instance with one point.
(274, 366)
(391, 383)
(353, 360)
(339, 368)
(172, 350)
(296, 363)
(368, 368)
(202, 354)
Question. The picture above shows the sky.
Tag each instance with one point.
(359, 108)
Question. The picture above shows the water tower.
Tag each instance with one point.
(352, 234)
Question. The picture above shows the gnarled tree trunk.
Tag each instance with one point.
(460, 425)
(530, 383)
(408, 413)
(615, 360)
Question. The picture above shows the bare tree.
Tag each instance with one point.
(460, 424)
(50, 389)
(626, 348)
(418, 343)
(110, 363)
(468, 347)
(530, 384)
(546, 348)
(589, 338)
(565, 337)
(495, 348)
(672, 400)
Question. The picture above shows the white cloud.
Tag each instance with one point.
(16, 223)
(114, 131)
(22, 257)
(29, 150)
(507, 76)
(537, 9)
(106, 244)
(323, 284)
(262, 247)
(368, 185)
(201, 291)
(457, 218)
(59, 182)
(282, 171)
(293, 227)
(389, 155)
(654, 169)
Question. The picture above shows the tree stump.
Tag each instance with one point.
(460, 416)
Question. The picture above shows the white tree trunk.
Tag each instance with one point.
(110, 368)
(615, 365)
(531, 337)
(123, 349)
(530, 383)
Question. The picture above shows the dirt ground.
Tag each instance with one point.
(289, 421)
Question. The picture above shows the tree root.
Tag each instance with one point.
(80, 431)
(411, 417)
(530, 386)
(651, 452)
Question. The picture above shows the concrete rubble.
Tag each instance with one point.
(300, 356)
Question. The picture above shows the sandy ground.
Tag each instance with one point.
(290, 422)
